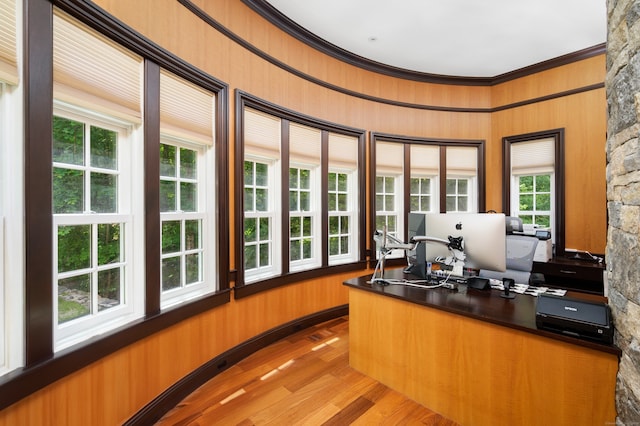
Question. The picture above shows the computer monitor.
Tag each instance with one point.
(483, 234)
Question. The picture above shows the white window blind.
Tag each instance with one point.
(533, 157)
(93, 72)
(425, 160)
(261, 134)
(343, 151)
(389, 158)
(462, 161)
(304, 144)
(8, 49)
(186, 110)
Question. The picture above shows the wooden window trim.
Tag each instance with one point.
(241, 289)
(558, 136)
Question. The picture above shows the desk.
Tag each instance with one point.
(476, 358)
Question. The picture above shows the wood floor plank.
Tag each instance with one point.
(304, 379)
(291, 409)
(240, 408)
(350, 413)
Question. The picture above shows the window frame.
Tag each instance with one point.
(351, 213)
(131, 307)
(289, 273)
(205, 205)
(432, 194)
(471, 195)
(558, 217)
(274, 216)
(313, 213)
(12, 221)
(397, 212)
(515, 198)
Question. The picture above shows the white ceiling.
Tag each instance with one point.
(464, 38)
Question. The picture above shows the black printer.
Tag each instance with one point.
(575, 317)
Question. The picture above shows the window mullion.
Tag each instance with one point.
(86, 168)
(94, 269)
(183, 257)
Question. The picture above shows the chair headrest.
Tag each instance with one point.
(513, 224)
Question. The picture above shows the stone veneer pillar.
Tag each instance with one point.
(623, 198)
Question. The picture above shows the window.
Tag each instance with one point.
(457, 195)
(183, 223)
(421, 194)
(304, 197)
(389, 196)
(187, 193)
(387, 214)
(301, 220)
(339, 219)
(300, 183)
(261, 185)
(92, 109)
(97, 184)
(342, 193)
(93, 244)
(421, 175)
(258, 218)
(534, 199)
(533, 179)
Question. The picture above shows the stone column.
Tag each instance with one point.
(623, 198)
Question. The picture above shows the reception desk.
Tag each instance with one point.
(477, 358)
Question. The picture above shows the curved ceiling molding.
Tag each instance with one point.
(274, 16)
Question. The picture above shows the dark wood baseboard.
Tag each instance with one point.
(158, 407)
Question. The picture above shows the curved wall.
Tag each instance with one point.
(285, 72)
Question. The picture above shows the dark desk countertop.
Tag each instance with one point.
(484, 305)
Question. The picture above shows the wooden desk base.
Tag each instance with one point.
(475, 372)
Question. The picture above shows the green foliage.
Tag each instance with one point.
(535, 193)
(68, 191)
(167, 160)
(68, 310)
(109, 284)
(104, 193)
(104, 153)
(171, 232)
(109, 243)
(68, 141)
(170, 273)
(74, 247)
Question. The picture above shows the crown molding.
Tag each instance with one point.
(274, 16)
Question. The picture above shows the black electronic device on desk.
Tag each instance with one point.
(573, 273)
(575, 317)
(478, 283)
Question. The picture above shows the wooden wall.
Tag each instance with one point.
(584, 118)
(113, 389)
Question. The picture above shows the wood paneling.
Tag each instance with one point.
(476, 372)
(584, 120)
(111, 390)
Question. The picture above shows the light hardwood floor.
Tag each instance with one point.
(304, 379)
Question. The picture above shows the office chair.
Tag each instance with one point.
(520, 251)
